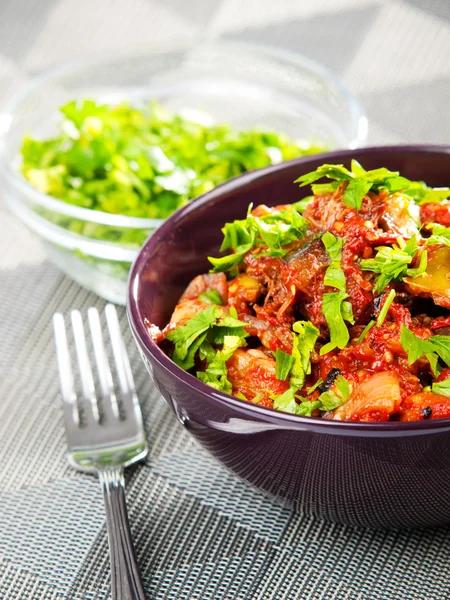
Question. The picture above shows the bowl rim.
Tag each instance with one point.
(266, 415)
(358, 117)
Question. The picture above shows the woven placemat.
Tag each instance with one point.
(200, 533)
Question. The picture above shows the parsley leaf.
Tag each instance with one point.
(440, 235)
(355, 192)
(334, 275)
(330, 400)
(286, 401)
(392, 263)
(303, 345)
(421, 193)
(302, 205)
(283, 364)
(435, 347)
(336, 310)
(306, 407)
(211, 297)
(362, 181)
(441, 387)
(365, 331)
(315, 386)
(216, 373)
(191, 336)
(146, 161)
(336, 172)
(184, 336)
(384, 309)
(274, 230)
(227, 325)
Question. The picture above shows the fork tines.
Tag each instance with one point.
(106, 406)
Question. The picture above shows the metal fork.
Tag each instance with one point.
(104, 433)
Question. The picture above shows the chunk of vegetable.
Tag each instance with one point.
(375, 399)
(435, 281)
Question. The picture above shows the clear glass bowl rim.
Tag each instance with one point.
(358, 116)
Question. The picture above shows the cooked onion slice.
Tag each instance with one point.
(373, 400)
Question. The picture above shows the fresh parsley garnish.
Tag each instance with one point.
(310, 390)
(365, 331)
(188, 338)
(304, 339)
(360, 182)
(336, 311)
(286, 402)
(184, 337)
(334, 275)
(441, 387)
(421, 193)
(307, 407)
(434, 348)
(283, 364)
(301, 205)
(216, 373)
(211, 297)
(274, 231)
(144, 161)
(335, 308)
(384, 309)
(330, 399)
(392, 263)
(440, 235)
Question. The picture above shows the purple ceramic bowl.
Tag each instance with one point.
(375, 475)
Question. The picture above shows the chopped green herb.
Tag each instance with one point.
(146, 161)
(336, 311)
(435, 347)
(384, 309)
(302, 205)
(218, 332)
(355, 192)
(365, 331)
(330, 400)
(307, 407)
(274, 230)
(310, 390)
(211, 322)
(334, 275)
(286, 402)
(184, 336)
(441, 387)
(362, 181)
(227, 325)
(440, 235)
(303, 345)
(211, 297)
(392, 263)
(422, 194)
(283, 364)
(336, 172)
(216, 373)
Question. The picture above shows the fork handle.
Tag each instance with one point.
(126, 583)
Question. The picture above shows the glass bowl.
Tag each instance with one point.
(243, 84)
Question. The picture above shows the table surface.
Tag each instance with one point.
(200, 534)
